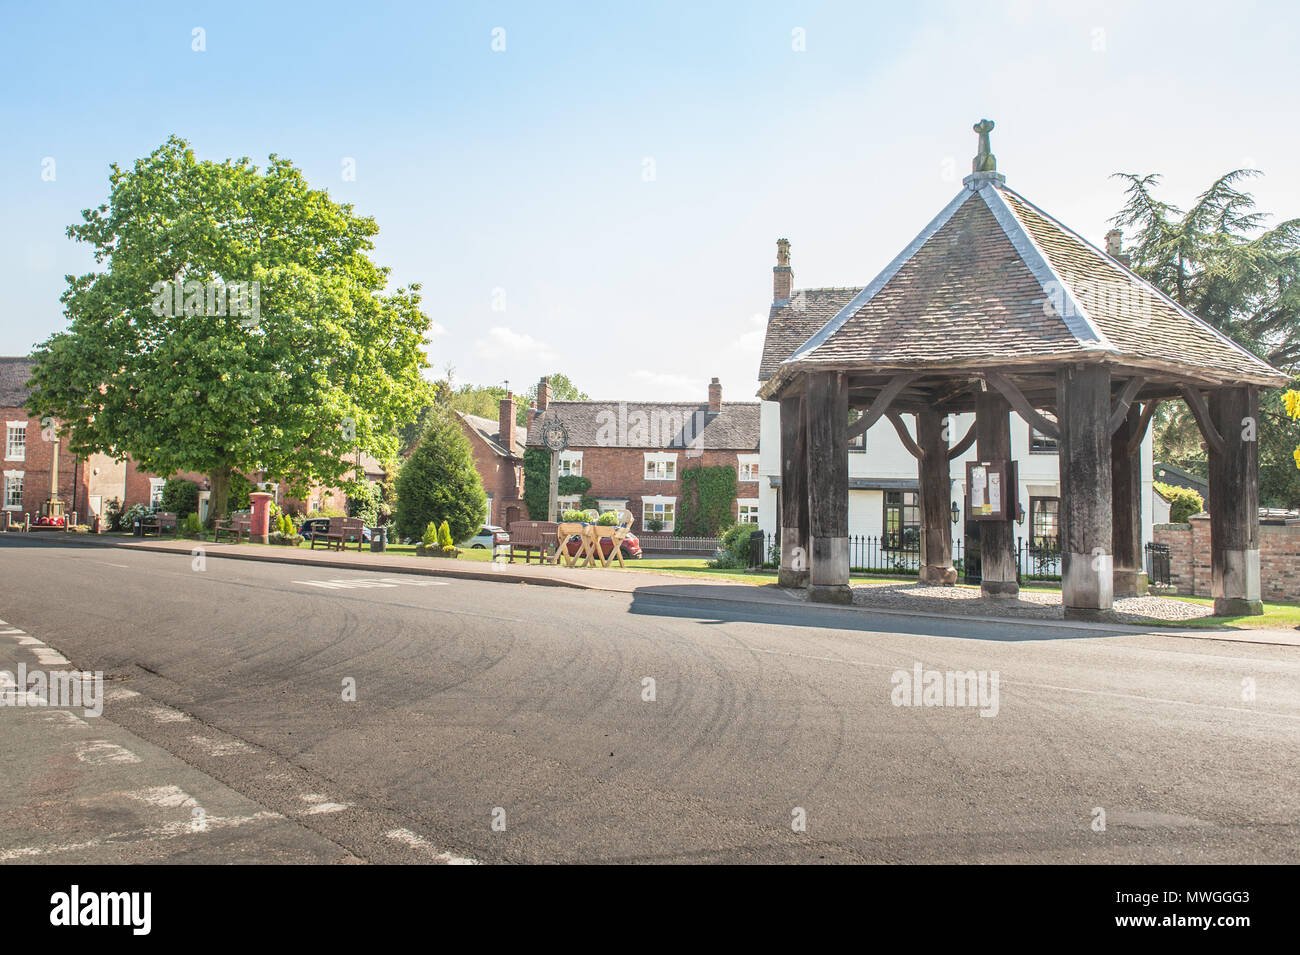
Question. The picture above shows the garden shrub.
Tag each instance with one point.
(181, 497)
(1183, 502)
(733, 549)
(439, 483)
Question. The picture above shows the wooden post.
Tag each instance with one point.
(997, 538)
(826, 421)
(935, 499)
(1130, 579)
(553, 494)
(1234, 502)
(1087, 565)
(794, 495)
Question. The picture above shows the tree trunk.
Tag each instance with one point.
(219, 502)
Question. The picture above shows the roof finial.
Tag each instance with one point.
(984, 160)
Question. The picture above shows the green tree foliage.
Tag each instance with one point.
(1220, 260)
(439, 483)
(328, 361)
(537, 482)
(1183, 502)
(180, 496)
(707, 500)
(366, 502)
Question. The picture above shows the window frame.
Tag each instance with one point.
(660, 460)
(747, 502)
(12, 477)
(897, 539)
(13, 428)
(661, 501)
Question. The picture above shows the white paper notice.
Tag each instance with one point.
(995, 491)
(978, 480)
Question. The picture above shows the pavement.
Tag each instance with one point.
(343, 715)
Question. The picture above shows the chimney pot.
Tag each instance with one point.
(782, 274)
(715, 397)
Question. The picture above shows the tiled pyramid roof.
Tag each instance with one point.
(794, 320)
(995, 280)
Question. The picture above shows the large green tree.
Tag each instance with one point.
(318, 360)
(440, 483)
(1220, 260)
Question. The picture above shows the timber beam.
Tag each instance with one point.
(1201, 412)
(881, 404)
(900, 426)
(1119, 413)
(1021, 404)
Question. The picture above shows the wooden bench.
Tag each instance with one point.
(239, 524)
(533, 537)
(158, 522)
(342, 532)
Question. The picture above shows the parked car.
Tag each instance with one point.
(631, 547)
(322, 524)
(489, 536)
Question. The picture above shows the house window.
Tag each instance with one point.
(658, 508)
(1044, 525)
(1040, 443)
(747, 467)
(747, 512)
(902, 521)
(13, 491)
(571, 463)
(661, 467)
(16, 441)
(567, 502)
(860, 442)
(156, 491)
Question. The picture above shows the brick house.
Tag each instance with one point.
(28, 456)
(88, 484)
(498, 448)
(634, 452)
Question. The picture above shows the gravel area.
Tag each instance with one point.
(1032, 604)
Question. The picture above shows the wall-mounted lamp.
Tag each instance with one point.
(955, 512)
(1020, 513)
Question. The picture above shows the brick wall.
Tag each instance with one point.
(35, 467)
(620, 473)
(1189, 558)
(502, 477)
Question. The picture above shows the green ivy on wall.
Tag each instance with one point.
(707, 501)
(537, 482)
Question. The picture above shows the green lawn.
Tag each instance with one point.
(1276, 616)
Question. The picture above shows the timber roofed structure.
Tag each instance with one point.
(995, 306)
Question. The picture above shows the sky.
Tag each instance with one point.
(598, 189)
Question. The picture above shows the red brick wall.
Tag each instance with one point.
(502, 477)
(36, 467)
(1189, 558)
(620, 472)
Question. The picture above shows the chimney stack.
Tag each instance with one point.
(506, 425)
(782, 274)
(543, 394)
(715, 397)
(1115, 246)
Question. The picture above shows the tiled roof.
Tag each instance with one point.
(792, 321)
(14, 373)
(490, 431)
(652, 424)
(994, 279)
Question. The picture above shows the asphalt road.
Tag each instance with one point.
(481, 703)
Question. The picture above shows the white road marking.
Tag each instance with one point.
(408, 838)
(217, 747)
(166, 797)
(171, 830)
(320, 804)
(100, 751)
(50, 657)
(62, 717)
(116, 694)
(165, 714)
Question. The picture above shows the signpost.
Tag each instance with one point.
(556, 439)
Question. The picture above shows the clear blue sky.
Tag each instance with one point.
(523, 170)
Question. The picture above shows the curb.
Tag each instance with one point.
(501, 576)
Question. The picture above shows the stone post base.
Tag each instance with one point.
(792, 578)
(999, 588)
(1130, 583)
(1237, 607)
(938, 575)
(830, 593)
